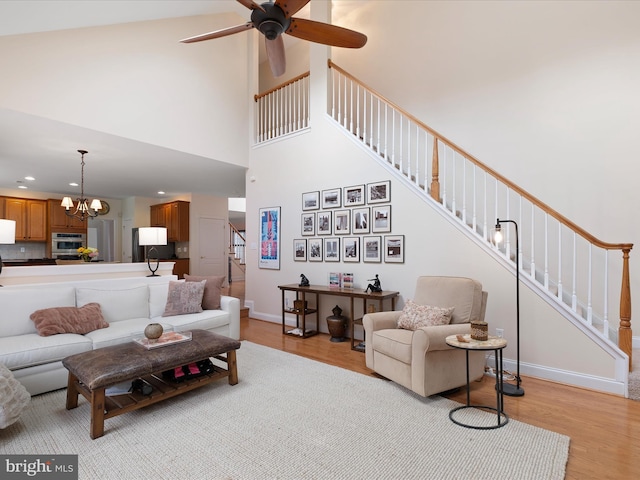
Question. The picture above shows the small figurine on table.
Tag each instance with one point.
(375, 286)
(304, 281)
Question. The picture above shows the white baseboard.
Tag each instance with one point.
(565, 377)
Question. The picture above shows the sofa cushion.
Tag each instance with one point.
(56, 320)
(394, 342)
(117, 305)
(205, 320)
(184, 298)
(415, 316)
(31, 349)
(157, 299)
(122, 331)
(19, 303)
(212, 290)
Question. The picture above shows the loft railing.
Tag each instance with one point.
(572, 266)
(283, 109)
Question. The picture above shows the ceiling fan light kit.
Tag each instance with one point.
(273, 19)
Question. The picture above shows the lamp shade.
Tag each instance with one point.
(7, 231)
(152, 236)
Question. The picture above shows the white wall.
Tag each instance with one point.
(543, 92)
(499, 79)
(137, 81)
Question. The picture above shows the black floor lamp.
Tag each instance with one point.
(152, 236)
(508, 388)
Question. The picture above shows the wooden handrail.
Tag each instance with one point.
(543, 206)
(282, 85)
(237, 232)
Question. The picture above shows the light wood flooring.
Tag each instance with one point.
(604, 429)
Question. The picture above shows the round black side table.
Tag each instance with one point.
(496, 344)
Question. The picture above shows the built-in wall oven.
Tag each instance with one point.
(67, 243)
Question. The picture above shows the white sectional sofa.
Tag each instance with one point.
(127, 304)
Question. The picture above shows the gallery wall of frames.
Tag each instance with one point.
(348, 224)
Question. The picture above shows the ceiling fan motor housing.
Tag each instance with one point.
(272, 22)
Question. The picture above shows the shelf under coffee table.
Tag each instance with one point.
(91, 373)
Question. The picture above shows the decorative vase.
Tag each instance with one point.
(86, 259)
(153, 331)
(337, 324)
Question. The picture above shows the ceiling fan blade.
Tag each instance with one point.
(218, 33)
(291, 7)
(326, 34)
(275, 53)
(251, 5)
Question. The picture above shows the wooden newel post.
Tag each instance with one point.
(435, 182)
(625, 337)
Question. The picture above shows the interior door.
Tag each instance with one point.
(212, 256)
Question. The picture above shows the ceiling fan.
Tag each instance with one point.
(273, 19)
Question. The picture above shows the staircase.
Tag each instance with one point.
(583, 278)
(571, 269)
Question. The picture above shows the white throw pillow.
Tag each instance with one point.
(117, 304)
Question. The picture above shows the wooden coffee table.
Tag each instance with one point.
(91, 373)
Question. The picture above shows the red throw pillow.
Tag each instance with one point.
(212, 290)
(81, 320)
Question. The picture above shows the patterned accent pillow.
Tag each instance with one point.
(212, 290)
(81, 320)
(184, 298)
(414, 316)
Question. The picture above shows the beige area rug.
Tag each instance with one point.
(289, 418)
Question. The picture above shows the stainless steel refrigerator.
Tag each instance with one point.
(138, 252)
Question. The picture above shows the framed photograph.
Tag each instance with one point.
(323, 226)
(372, 249)
(332, 198)
(394, 248)
(308, 224)
(300, 249)
(379, 192)
(270, 238)
(381, 219)
(315, 250)
(331, 249)
(342, 222)
(353, 196)
(351, 249)
(360, 218)
(310, 201)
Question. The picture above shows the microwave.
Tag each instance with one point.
(67, 243)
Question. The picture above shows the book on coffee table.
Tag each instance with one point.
(168, 338)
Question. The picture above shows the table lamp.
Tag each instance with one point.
(152, 236)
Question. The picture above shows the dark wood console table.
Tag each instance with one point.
(317, 290)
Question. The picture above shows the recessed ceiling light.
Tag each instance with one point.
(31, 179)
(73, 184)
(23, 187)
(160, 192)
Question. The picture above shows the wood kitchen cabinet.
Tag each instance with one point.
(181, 267)
(60, 222)
(174, 216)
(30, 217)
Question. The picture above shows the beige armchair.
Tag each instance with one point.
(421, 360)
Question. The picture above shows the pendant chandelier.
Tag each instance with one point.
(83, 209)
